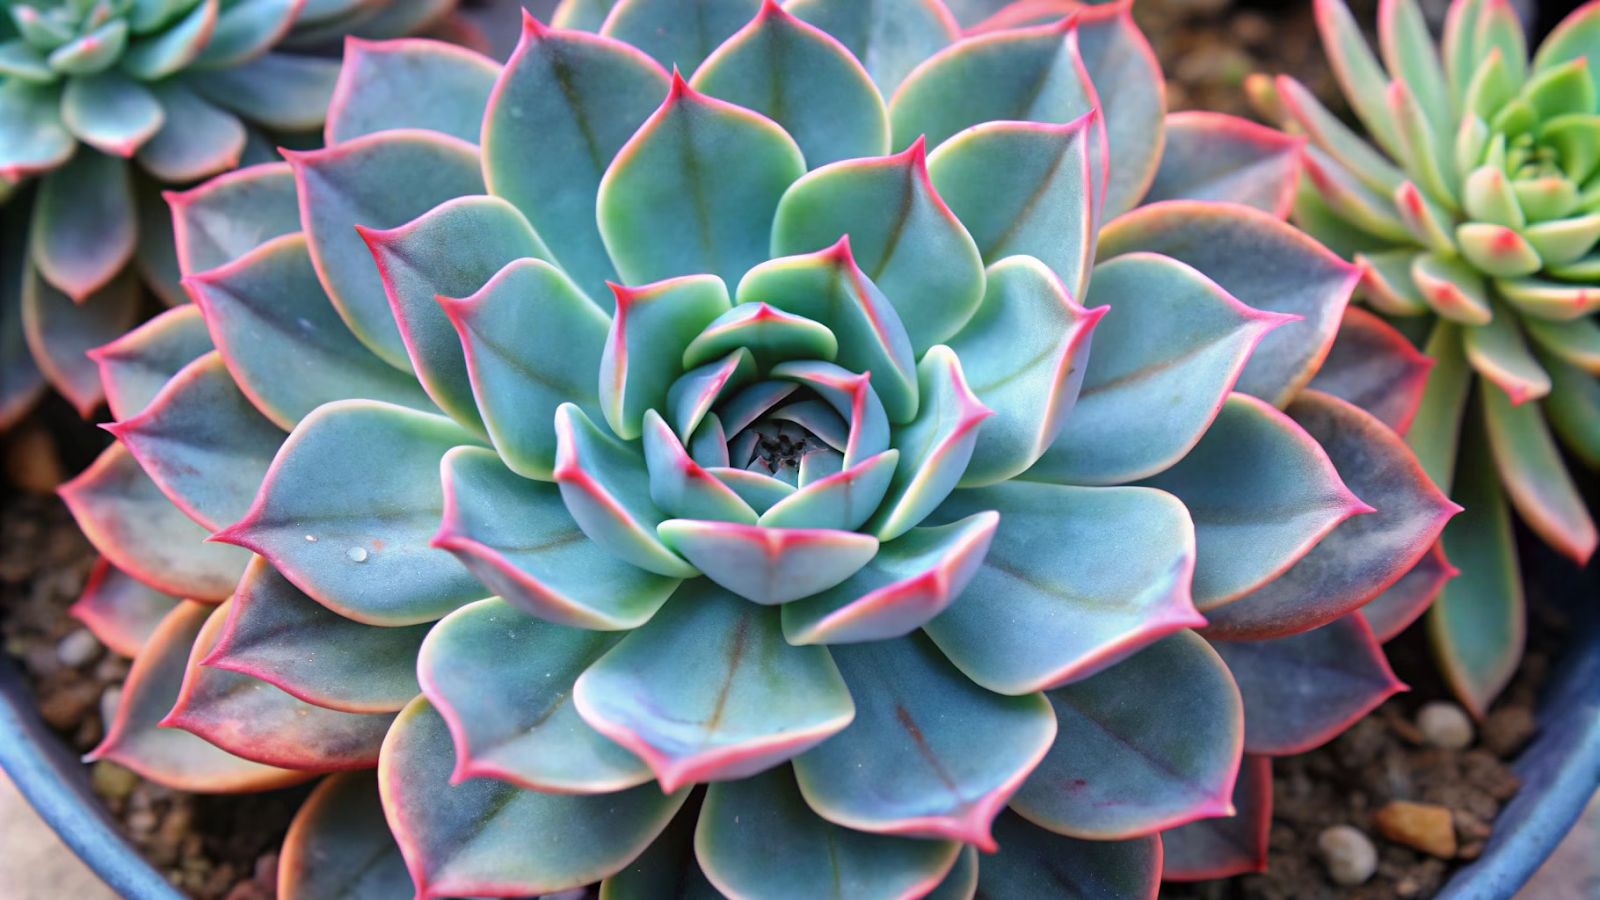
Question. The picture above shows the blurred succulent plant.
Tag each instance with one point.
(601, 432)
(185, 88)
(1475, 209)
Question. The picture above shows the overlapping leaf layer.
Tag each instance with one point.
(1473, 204)
(710, 477)
(104, 103)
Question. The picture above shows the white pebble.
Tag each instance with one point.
(110, 700)
(1349, 855)
(78, 649)
(1445, 725)
(356, 554)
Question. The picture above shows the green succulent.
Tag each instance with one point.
(103, 103)
(1475, 210)
(670, 464)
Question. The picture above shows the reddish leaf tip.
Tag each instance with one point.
(532, 27)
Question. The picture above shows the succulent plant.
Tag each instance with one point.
(1474, 212)
(105, 102)
(672, 465)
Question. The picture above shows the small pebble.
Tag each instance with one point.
(112, 781)
(78, 649)
(110, 699)
(1420, 826)
(1508, 730)
(1349, 855)
(1445, 725)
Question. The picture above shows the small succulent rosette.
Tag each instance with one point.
(670, 464)
(1475, 210)
(103, 103)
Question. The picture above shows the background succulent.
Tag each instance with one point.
(1475, 213)
(601, 430)
(103, 103)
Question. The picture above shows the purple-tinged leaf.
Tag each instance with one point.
(708, 690)
(232, 214)
(339, 845)
(1534, 476)
(829, 287)
(348, 510)
(1393, 611)
(277, 634)
(606, 489)
(1374, 367)
(453, 250)
(769, 565)
(1034, 618)
(516, 536)
(1024, 188)
(572, 101)
(121, 611)
(284, 344)
(909, 581)
(662, 214)
(202, 443)
(532, 341)
(60, 332)
(84, 227)
(353, 183)
(802, 78)
(1211, 156)
(756, 836)
(1226, 846)
(1364, 555)
(1025, 353)
(889, 37)
(255, 721)
(1149, 744)
(1170, 333)
(678, 33)
(1262, 493)
(1263, 262)
(137, 528)
(486, 837)
(410, 84)
(1301, 691)
(1033, 862)
(503, 682)
(930, 754)
(281, 91)
(171, 756)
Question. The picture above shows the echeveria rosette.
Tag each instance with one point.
(1476, 207)
(103, 104)
(738, 431)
